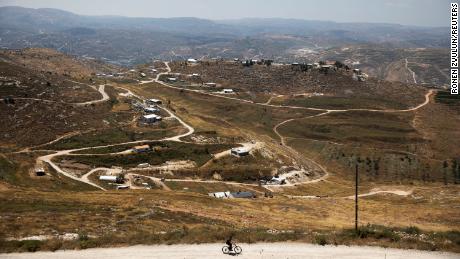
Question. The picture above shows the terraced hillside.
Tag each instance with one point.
(308, 128)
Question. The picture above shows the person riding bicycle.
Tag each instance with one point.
(229, 243)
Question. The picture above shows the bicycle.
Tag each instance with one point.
(236, 250)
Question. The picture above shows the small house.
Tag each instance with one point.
(141, 149)
(228, 91)
(40, 171)
(195, 75)
(143, 75)
(192, 60)
(151, 110)
(277, 180)
(210, 84)
(247, 63)
(172, 79)
(153, 101)
(143, 165)
(244, 195)
(239, 151)
(110, 178)
(122, 187)
(150, 118)
(221, 195)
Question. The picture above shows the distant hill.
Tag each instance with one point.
(128, 41)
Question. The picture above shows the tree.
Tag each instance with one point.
(455, 170)
(339, 64)
(445, 165)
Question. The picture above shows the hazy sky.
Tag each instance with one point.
(411, 12)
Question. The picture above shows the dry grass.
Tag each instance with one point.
(131, 213)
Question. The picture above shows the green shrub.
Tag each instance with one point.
(321, 240)
(413, 230)
(31, 245)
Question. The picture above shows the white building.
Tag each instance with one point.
(151, 110)
(143, 75)
(109, 178)
(192, 60)
(172, 79)
(141, 149)
(240, 151)
(221, 195)
(210, 84)
(150, 118)
(277, 180)
(228, 91)
(152, 101)
(143, 165)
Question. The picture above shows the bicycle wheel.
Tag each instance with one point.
(225, 250)
(237, 249)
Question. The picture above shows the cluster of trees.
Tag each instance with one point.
(454, 168)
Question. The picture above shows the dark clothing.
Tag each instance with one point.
(230, 244)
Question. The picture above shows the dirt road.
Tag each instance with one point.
(48, 158)
(168, 70)
(374, 192)
(411, 72)
(262, 250)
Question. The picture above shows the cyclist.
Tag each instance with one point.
(229, 243)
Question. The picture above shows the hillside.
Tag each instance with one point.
(380, 48)
(309, 128)
(423, 66)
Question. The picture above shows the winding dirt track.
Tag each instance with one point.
(427, 99)
(101, 90)
(48, 158)
(275, 129)
(259, 250)
(190, 129)
(410, 71)
(371, 193)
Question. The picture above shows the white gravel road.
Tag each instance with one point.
(261, 250)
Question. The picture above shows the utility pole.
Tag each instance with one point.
(356, 198)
